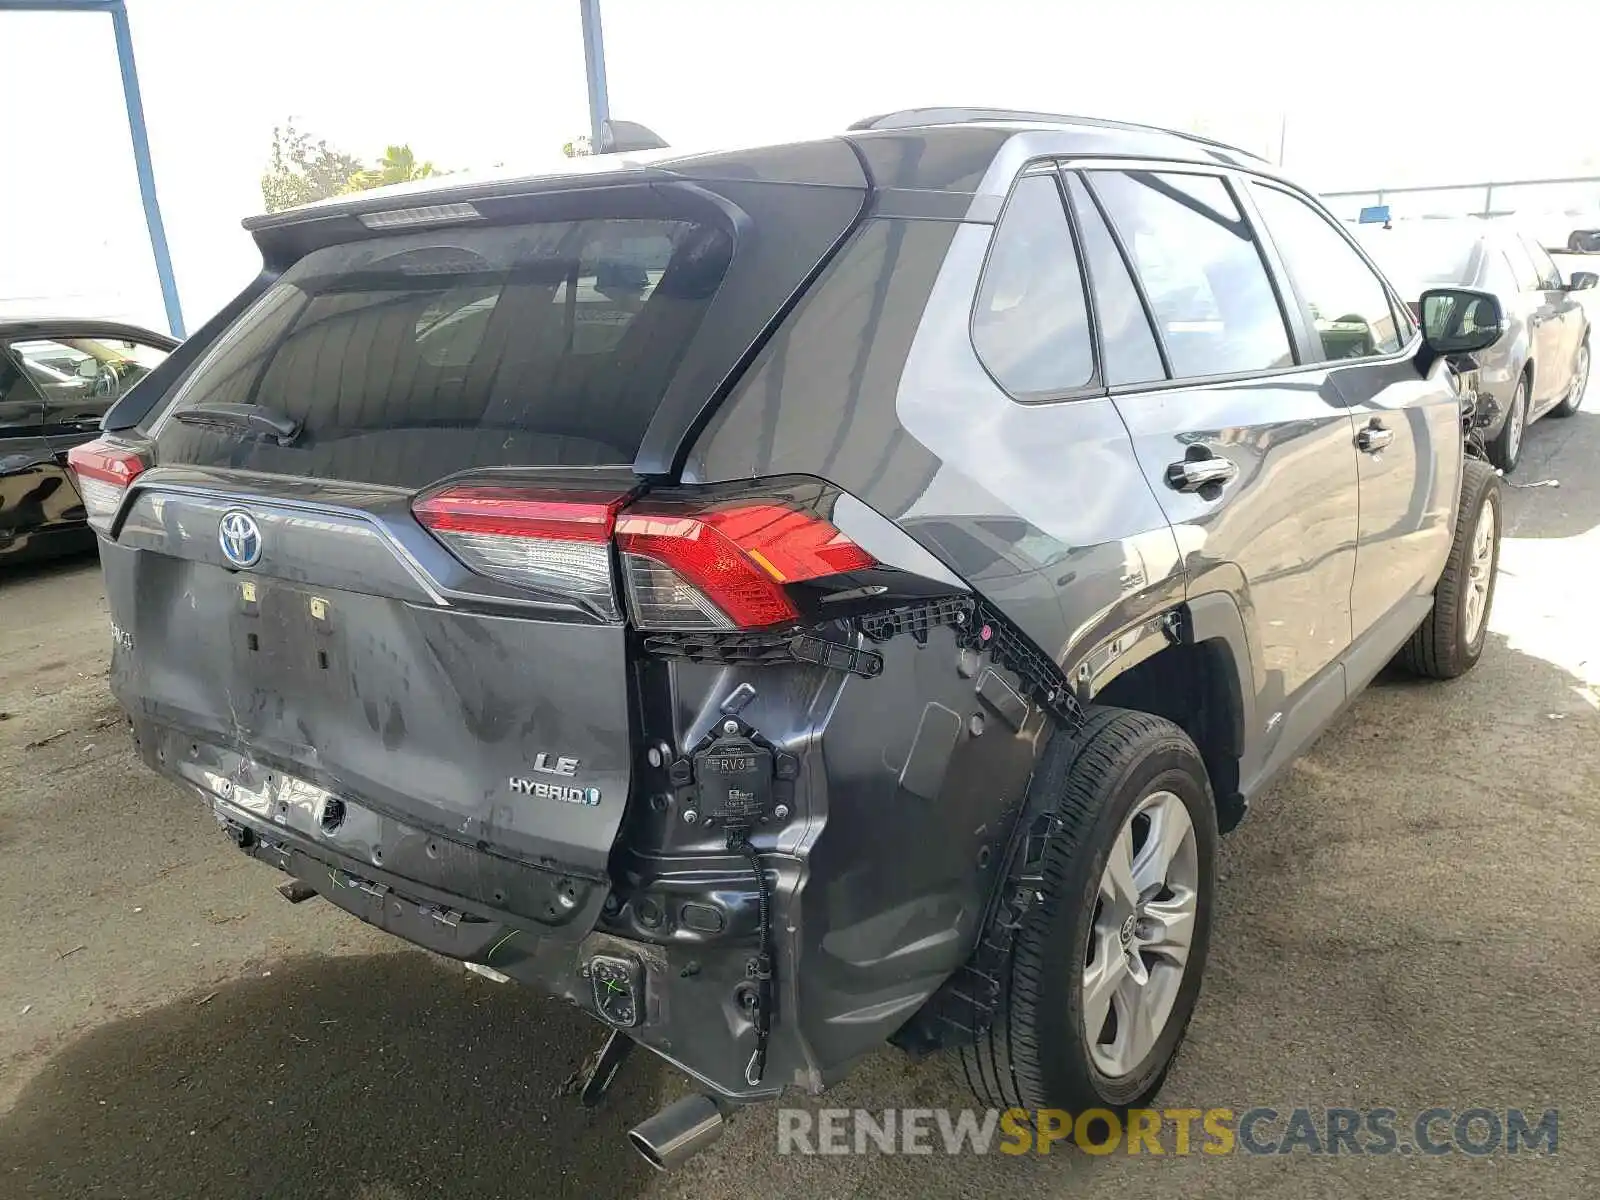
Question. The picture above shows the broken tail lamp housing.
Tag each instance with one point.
(688, 564)
(103, 470)
(730, 566)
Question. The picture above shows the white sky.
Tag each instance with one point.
(1408, 91)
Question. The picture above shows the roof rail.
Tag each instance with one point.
(913, 118)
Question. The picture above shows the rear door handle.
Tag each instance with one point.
(1201, 469)
(1374, 437)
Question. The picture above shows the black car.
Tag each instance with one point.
(787, 600)
(57, 378)
(1541, 364)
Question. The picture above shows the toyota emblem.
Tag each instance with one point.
(240, 538)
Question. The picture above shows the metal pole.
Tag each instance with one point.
(594, 68)
(147, 175)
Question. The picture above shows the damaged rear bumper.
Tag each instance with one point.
(534, 924)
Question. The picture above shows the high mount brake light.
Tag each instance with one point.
(103, 471)
(728, 565)
(555, 541)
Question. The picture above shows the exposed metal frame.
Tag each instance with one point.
(136, 127)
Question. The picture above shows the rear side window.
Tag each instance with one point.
(1348, 302)
(1522, 265)
(1031, 325)
(1127, 343)
(1549, 273)
(1202, 270)
(408, 357)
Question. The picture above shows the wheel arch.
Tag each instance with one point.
(1200, 678)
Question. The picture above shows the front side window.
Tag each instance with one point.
(1349, 304)
(1201, 269)
(74, 367)
(1031, 324)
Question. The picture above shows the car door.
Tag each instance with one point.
(1250, 451)
(35, 492)
(1545, 338)
(1408, 426)
(1563, 323)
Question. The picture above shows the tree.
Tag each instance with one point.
(578, 147)
(397, 165)
(300, 170)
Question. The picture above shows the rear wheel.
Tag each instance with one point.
(1506, 449)
(1105, 971)
(1580, 383)
(1450, 639)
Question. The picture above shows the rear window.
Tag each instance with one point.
(408, 357)
(1419, 258)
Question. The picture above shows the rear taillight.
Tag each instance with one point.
(103, 471)
(533, 537)
(687, 565)
(729, 567)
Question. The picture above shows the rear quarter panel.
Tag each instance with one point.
(873, 385)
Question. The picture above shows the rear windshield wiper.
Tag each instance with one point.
(255, 418)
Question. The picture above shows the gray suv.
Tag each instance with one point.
(788, 600)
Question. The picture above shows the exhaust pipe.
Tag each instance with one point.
(678, 1132)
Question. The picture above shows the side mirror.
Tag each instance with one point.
(1461, 320)
(1582, 281)
(88, 368)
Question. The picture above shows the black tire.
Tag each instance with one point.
(1506, 449)
(1580, 384)
(1440, 648)
(1036, 1054)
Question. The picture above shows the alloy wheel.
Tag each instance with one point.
(1143, 927)
(1480, 571)
(1518, 419)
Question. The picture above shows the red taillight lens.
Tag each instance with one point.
(726, 568)
(103, 471)
(687, 565)
(533, 537)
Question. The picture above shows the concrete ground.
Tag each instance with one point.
(1411, 918)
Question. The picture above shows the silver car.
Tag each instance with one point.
(1541, 364)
